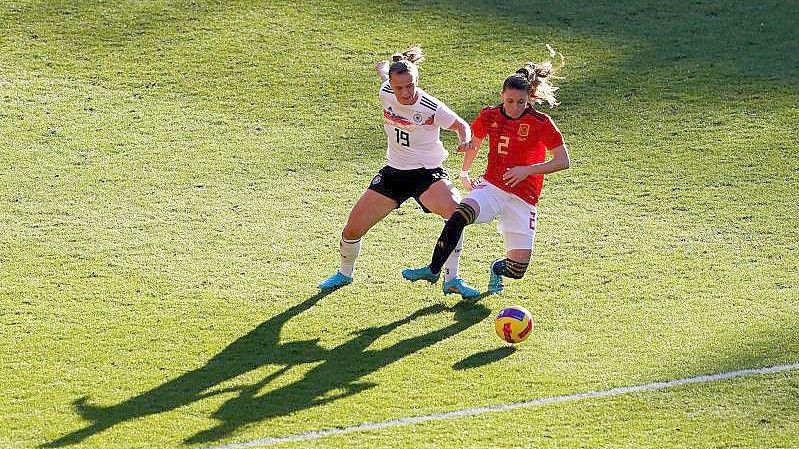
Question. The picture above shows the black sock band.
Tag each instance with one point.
(464, 215)
(510, 268)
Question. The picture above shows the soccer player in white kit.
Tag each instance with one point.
(412, 122)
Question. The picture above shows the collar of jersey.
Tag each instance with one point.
(502, 110)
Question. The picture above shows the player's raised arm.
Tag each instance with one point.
(382, 70)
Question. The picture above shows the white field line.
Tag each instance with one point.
(317, 434)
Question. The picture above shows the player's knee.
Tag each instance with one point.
(465, 214)
(352, 232)
(449, 209)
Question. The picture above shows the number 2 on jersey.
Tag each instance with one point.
(502, 145)
(402, 137)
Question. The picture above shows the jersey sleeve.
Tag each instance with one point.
(552, 136)
(444, 117)
(479, 128)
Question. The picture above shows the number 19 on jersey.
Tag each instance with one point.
(402, 137)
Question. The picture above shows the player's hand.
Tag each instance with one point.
(515, 175)
(382, 69)
(465, 146)
(467, 182)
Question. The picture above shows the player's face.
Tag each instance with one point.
(404, 85)
(514, 101)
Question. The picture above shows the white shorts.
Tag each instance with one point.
(517, 218)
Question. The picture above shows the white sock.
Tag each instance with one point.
(450, 268)
(349, 250)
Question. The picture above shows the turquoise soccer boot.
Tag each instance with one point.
(335, 281)
(459, 286)
(419, 274)
(494, 281)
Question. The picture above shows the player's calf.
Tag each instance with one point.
(507, 268)
(463, 216)
(510, 268)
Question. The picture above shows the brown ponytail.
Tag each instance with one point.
(406, 61)
(535, 77)
(413, 54)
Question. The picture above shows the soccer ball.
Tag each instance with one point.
(513, 324)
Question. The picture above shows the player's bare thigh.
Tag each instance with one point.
(368, 211)
(441, 198)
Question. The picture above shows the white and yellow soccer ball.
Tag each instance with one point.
(513, 324)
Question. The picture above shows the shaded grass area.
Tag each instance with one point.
(175, 175)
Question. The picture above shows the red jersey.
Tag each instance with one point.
(514, 142)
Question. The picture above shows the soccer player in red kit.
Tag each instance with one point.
(519, 138)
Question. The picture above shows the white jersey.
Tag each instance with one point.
(413, 131)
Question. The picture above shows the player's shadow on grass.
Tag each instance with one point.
(338, 376)
(259, 347)
(485, 357)
(335, 378)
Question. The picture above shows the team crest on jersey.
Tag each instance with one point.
(495, 125)
(417, 118)
(524, 130)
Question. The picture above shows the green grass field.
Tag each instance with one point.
(174, 176)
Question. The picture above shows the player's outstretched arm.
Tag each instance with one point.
(466, 145)
(464, 132)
